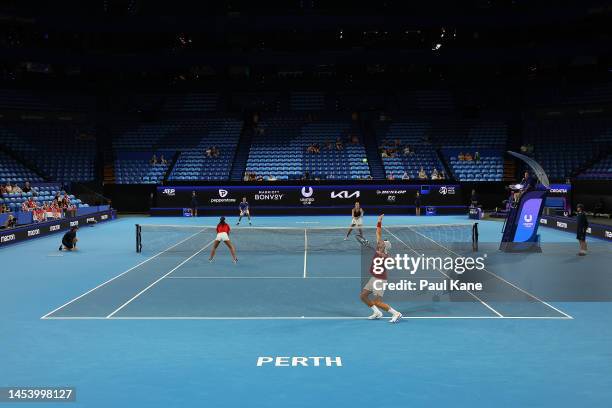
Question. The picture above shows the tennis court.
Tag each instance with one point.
(165, 326)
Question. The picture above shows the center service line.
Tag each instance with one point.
(305, 250)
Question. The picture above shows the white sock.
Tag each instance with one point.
(392, 310)
(375, 309)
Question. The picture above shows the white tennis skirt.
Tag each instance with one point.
(222, 237)
(358, 222)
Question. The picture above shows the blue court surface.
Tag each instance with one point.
(169, 329)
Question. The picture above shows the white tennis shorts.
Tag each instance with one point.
(370, 286)
(357, 222)
(245, 212)
(222, 237)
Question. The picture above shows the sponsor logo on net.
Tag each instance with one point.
(269, 195)
(444, 190)
(344, 194)
(169, 191)
(223, 197)
(307, 196)
(7, 238)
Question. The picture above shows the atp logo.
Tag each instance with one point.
(223, 193)
(307, 192)
(169, 191)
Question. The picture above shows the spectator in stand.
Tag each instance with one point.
(272, 178)
(329, 145)
(11, 222)
(397, 143)
(4, 209)
(405, 176)
(354, 139)
(434, 174)
(339, 144)
(468, 157)
(9, 188)
(422, 174)
(441, 175)
(215, 151)
(208, 152)
(16, 189)
(407, 151)
(26, 187)
(391, 176)
(477, 156)
(153, 159)
(2, 189)
(162, 160)
(461, 156)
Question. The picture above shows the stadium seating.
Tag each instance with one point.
(563, 146)
(63, 152)
(42, 194)
(490, 167)
(135, 167)
(410, 133)
(193, 164)
(14, 172)
(280, 151)
(602, 170)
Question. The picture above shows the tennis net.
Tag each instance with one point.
(151, 238)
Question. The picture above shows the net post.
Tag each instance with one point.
(138, 238)
(475, 237)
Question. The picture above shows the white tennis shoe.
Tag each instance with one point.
(396, 317)
(375, 316)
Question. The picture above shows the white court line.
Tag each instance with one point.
(303, 318)
(473, 295)
(305, 250)
(503, 280)
(158, 280)
(121, 274)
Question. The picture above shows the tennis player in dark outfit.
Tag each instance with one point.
(194, 204)
(69, 240)
(417, 204)
(582, 224)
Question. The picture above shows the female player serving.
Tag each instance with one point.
(356, 221)
(223, 230)
(244, 210)
(374, 284)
